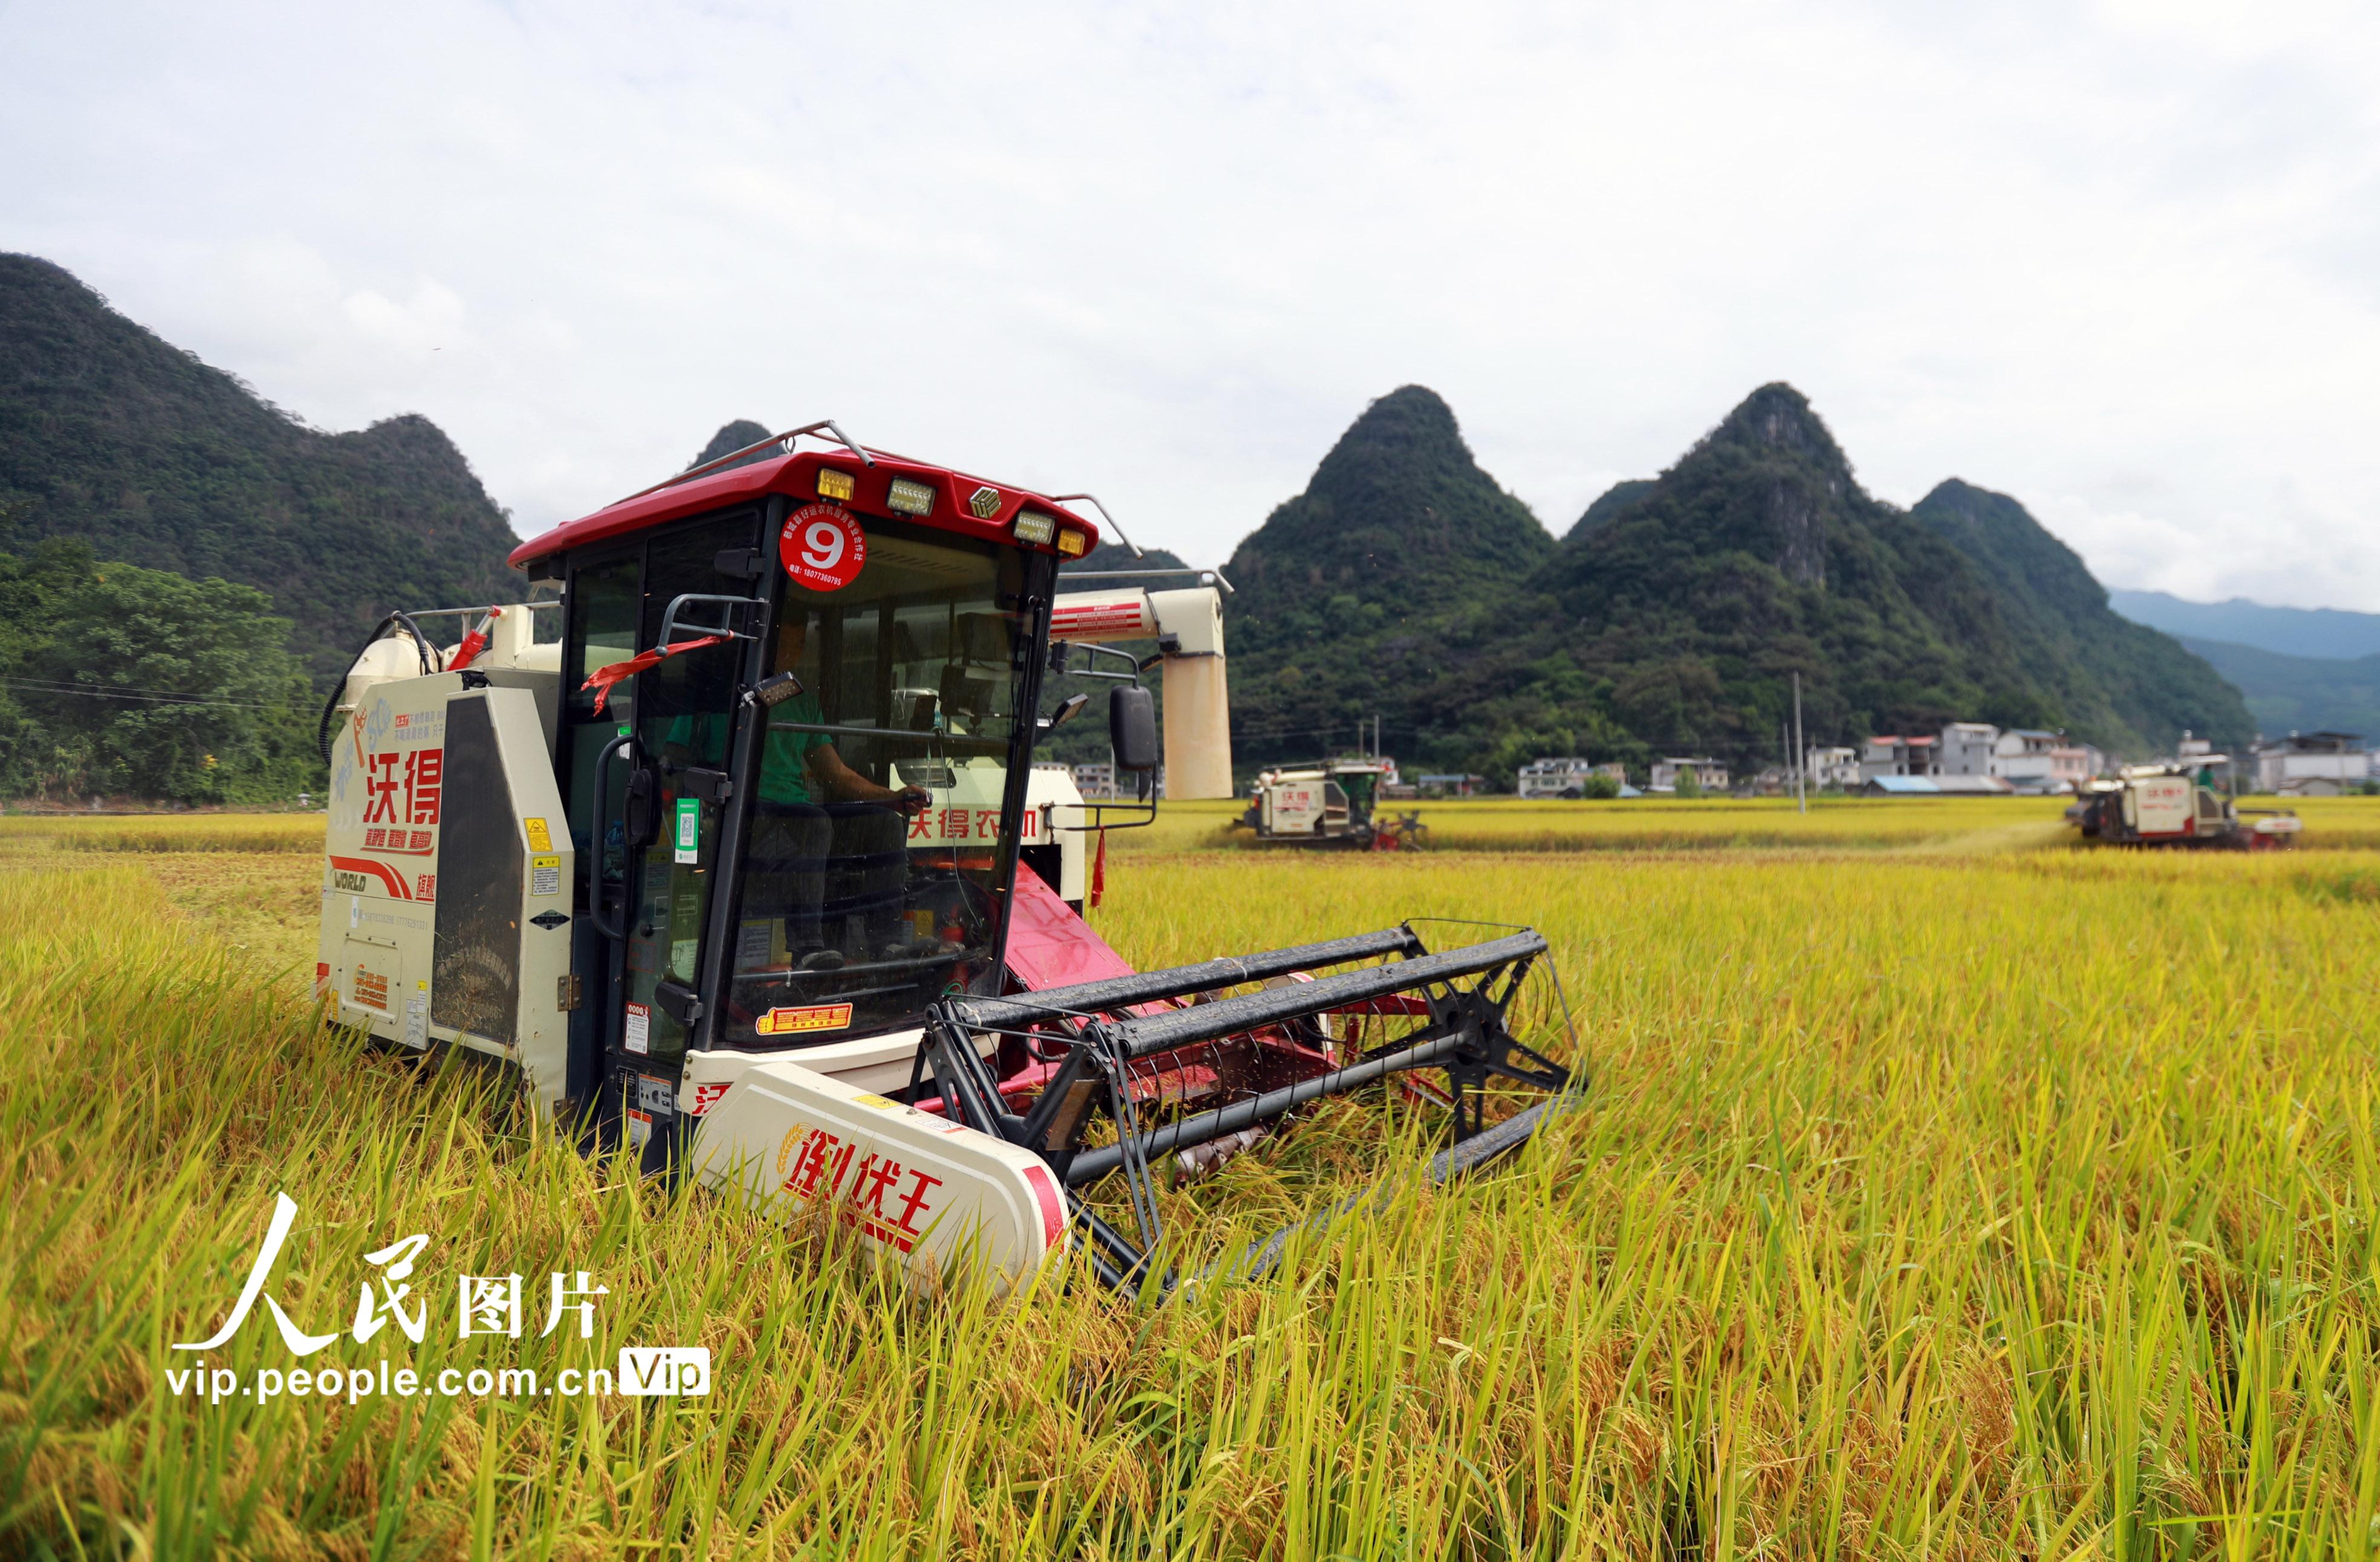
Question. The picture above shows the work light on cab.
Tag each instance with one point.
(909, 497)
(1035, 527)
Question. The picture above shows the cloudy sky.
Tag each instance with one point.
(2121, 261)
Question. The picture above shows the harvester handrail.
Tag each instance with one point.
(785, 440)
(1080, 576)
(1112, 993)
(1144, 1035)
(540, 606)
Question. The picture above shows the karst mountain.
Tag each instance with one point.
(111, 435)
(1674, 613)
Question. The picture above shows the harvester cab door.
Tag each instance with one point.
(649, 788)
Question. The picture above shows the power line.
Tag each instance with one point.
(154, 696)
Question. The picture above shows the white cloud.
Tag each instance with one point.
(430, 320)
(2114, 261)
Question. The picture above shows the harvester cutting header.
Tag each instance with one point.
(721, 852)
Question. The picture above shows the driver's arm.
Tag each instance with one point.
(847, 785)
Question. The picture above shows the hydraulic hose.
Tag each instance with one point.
(330, 705)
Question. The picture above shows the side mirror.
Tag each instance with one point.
(1132, 728)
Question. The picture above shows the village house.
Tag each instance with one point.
(2022, 759)
(1966, 749)
(1709, 772)
(1554, 777)
(1565, 776)
(2313, 763)
(1833, 767)
(1899, 757)
(1935, 786)
(2032, 760)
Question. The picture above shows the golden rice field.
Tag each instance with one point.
(1990, 824)
(1941, 1191)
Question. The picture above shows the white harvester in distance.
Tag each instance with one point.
(2176, 803)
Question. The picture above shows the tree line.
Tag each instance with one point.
(123, 683)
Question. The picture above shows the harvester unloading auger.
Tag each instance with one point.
(747, 863)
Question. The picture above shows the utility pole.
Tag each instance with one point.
(1800, 752)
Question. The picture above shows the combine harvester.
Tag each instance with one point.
(720, 852)
(1335, 803)
(2176, 805)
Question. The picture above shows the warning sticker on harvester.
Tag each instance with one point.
(539, 838)
(793, 1022)
(416, 1017)
(822, 547)
(371, 990)
(641, 1028)
(545, 875)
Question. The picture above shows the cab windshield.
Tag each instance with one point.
(869, 884)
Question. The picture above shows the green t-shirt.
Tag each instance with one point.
(786, 762)
(785, 758)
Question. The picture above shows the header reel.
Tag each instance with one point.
(1120, 1073)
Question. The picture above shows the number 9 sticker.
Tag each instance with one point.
(822, 547)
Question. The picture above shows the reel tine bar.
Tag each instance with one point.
(1105, 1028)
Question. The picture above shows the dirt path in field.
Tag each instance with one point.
(2031, 835)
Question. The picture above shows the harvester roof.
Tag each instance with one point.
(890, 487)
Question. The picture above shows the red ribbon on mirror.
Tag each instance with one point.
(602, 678)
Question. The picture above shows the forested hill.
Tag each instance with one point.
(1756, 556)
(1674, 612)
(2299, 694)
(109, 434)
(1689, 605)
(2130, 686)
(1385, 576)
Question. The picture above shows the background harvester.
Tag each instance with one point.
(2177, 803)
(734, 852)
(1333, 802)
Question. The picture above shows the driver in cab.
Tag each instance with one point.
(813, 814)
